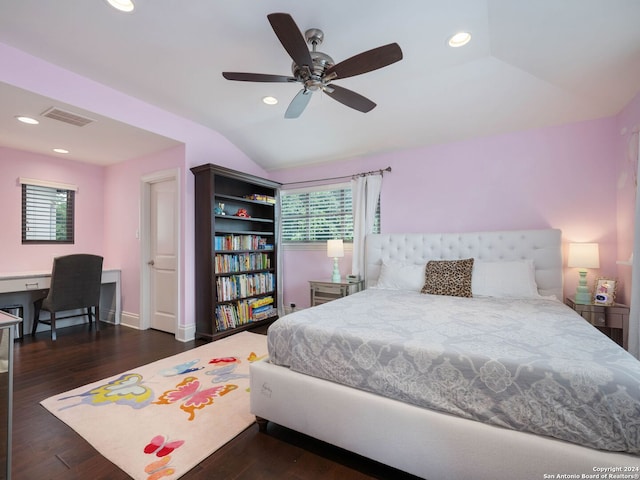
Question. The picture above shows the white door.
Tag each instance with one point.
(163, 262)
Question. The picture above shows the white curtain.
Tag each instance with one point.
(365, 192)
(634, 317)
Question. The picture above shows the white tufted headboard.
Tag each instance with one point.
(543, 246)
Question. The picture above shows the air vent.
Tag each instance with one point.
(67, 117)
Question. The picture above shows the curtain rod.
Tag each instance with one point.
(355, 175)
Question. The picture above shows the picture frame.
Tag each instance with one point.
(604, 291)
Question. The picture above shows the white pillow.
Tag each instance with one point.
(401, 276)
(504, 279)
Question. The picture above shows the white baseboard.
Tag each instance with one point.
(131, 320)
(186, 333)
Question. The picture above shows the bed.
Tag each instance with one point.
(508, 384)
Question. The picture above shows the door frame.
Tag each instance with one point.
(145, 244)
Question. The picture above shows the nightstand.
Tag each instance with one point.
(613, 320)
(323, 291)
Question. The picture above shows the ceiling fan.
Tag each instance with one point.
(316, 70)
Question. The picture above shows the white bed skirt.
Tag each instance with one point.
(422, 442)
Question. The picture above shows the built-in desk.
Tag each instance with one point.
(24, 287)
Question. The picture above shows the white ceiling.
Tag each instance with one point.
(529, 64)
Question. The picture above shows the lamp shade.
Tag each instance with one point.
(583, 255)
(335, 248)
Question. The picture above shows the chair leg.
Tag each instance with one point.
(53, 326)
(37, 306)
(96, 311)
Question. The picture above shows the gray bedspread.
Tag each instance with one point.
(531, 365)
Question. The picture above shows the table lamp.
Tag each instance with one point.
(335, 249)
(583, 256)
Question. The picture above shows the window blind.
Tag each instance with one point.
(47, 214)
(319, 214)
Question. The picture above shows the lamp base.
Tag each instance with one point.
(336, 271)
(583, 296)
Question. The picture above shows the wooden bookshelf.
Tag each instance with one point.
(236, 251)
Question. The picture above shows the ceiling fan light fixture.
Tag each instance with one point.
(460, 39)
(122, 5)
(27, 120)
(268, 100)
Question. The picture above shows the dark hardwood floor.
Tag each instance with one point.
(46, 448)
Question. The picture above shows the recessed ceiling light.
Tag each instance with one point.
(60, 150)
(459, 39)
(29, 120)
(122, 5)
(270, 100)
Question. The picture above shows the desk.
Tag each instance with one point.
(25, 287)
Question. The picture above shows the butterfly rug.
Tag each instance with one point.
(160, 420)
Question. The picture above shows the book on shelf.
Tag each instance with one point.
(241, 262)
(261, 198)
(242, 312)
(236, 287)
(240, 242)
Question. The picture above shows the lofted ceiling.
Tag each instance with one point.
(529, 64)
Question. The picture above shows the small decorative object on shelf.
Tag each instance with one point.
(236, 254)
(242, 212)
(219, 210)
(604, 292)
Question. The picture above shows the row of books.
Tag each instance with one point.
(241, 262)
(240, 242)
(246, 285)
(233, 315)
(262, 198)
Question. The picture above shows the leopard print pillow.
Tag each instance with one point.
(448, 277)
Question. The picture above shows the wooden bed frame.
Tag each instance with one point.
(419, 441)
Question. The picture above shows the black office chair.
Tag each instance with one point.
(75, 284)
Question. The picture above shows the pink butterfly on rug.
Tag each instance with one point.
(188, 392)
(161, 447)
(159, 469)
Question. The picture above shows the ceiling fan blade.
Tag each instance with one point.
(349, 98)
(366, 61)
(256, 77)
(290, 37)
(298, 104)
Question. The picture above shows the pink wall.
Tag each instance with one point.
(122, 219)
(626, 153)
(89, 232)
(202, 145)
(560, 177)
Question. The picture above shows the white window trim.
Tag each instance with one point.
(46, 183)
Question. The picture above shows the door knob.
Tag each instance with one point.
(151, 262)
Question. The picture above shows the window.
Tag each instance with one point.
(319, 214)
(47, 212)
